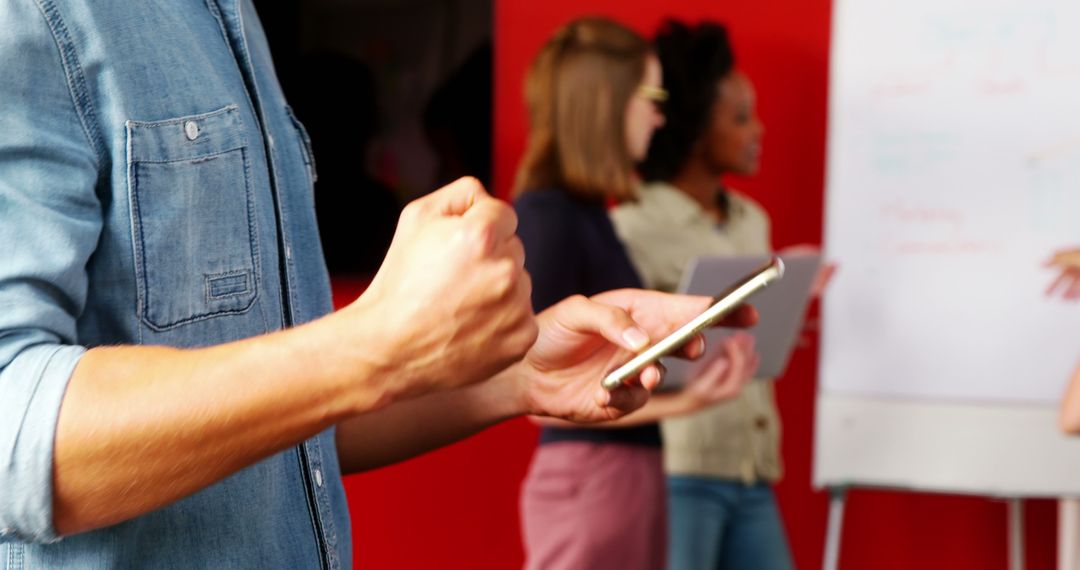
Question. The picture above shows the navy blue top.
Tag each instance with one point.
(570, 249)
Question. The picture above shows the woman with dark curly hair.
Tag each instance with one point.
(721, 461)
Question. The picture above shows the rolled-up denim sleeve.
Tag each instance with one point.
(50, 222)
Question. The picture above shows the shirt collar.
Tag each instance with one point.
(672, 203)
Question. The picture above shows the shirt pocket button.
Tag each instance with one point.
(191, 130)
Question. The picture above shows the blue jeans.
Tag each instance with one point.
(724, 524)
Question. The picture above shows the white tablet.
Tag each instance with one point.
(781, 308)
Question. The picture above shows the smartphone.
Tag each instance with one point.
(722, 305)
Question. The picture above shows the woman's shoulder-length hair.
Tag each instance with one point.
(577, 90)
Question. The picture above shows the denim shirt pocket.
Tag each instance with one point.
(305, 144)
(193, 226)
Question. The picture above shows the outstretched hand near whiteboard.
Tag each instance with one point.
(1069, 413)
(1067, 283)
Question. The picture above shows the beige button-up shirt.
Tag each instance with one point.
(738, 439)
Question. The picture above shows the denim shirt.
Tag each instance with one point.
(154, 189)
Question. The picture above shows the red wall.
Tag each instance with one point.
(457, 508)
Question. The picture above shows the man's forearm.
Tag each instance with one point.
(580, 340)
(414, 427)
(142, 427)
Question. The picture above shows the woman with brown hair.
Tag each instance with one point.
(594, 498)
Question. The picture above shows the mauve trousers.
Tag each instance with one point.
(594, 506)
